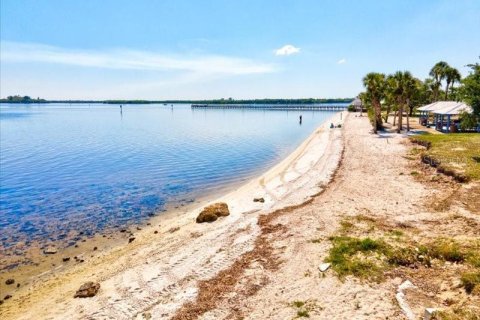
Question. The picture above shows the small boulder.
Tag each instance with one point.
(50, 250)
(87, 290)
(65, 259)
(130, 240)
(8, 296)
(324, 267)
(259, 200)
(9, 281)
(213, 212)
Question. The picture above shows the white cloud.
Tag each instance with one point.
(342, 61)
(287, 50)
(131, 59)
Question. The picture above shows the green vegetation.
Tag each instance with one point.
(457, 314)
(20, 99)
(358, 257)
(455, 153)
(402, 93)
(303, 314)
(471, 281)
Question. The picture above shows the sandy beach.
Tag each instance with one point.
(256, 262)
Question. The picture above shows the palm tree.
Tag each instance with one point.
(403, 86)
(390, 99)
(375, 85)
(438, 73)
(451, 75)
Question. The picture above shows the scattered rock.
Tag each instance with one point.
(155, 231)
(138, 228)
(324, 267)
(95, 248)
(65, 259)
(174, 229)
(149, 224)
(259, 200)
(87, 290)
(123, 230)
(147, 316)
(130, 240)
(429, 313)
(18, 285)
(212, 212)
(9, 281)
(50, 250)
(8, 296)
(1, 302)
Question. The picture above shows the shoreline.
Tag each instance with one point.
(279, 186)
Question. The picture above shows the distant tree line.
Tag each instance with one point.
(402, 93)
(26, 99)
(20, 99)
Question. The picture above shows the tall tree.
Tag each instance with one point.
(451, 75)
(438, 73)
(404, 86)
(375, 86)
(470, 89)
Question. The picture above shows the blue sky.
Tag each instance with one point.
(114, 49)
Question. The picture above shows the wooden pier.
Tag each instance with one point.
(299, 107)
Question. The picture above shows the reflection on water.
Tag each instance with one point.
(71, 168)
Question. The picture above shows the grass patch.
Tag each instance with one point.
(454, 154)
(303, 314)
(471, 282)
(357, 257)
(457, 314)
(318, 240)
(298, 304)
(447, 250)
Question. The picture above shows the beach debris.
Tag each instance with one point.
(147, 315)
(50, 250)
(402, 302)
(429, 313)
(173, 229)
(95, 248)
(8, 296)
(130, 240)
(324, 267)
(212, 212)
(18, 285)
(65, 259)
(155, 231)
(9, 281)
(259, 200)
(87, 290)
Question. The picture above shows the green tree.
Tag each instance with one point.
(404, 86)
(470, 89)
(438, 73)
(451, 75)
(375, 86)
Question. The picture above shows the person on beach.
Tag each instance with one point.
(300, 119)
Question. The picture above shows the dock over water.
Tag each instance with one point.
(310, 107)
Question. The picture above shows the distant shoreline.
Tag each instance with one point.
(27, 100)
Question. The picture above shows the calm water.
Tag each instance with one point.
(66, 168)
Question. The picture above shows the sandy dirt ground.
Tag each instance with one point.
(256, 262)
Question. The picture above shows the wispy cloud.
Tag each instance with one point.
(342, 61)
(287, 50)
(132, 59)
